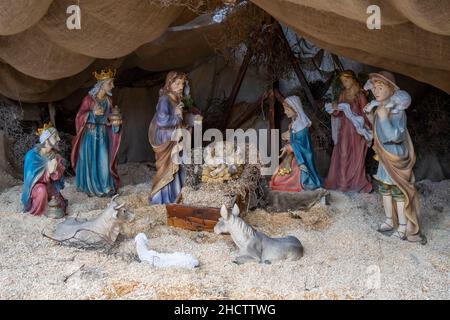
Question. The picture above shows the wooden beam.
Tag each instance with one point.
(296, 65)
(237, 87)
(279, 96)
(337, 62)
(272, 111)
(244, 114)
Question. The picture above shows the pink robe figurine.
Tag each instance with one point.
(347, 168)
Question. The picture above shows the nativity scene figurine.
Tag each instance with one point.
(44, 174)
(169, 117)
(297, 170)
(96, 144)
(351, 136)
(395, 153)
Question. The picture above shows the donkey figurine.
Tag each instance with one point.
(255, 245)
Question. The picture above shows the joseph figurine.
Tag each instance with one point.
(169, 117)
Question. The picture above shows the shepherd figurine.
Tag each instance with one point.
(396, 156)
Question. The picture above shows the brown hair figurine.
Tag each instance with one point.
(171, 77)
(169, 177)
(347, 168)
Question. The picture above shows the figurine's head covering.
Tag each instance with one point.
(171, 77)
(102, 77)
(302, 121)
(105, 74)
(46, 132)
(384, 76)
(400, 99)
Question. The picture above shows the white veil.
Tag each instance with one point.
(302, 121)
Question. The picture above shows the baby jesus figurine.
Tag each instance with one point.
(297, 170)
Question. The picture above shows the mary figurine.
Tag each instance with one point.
(297, 171)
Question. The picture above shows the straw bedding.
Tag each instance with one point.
(340, 242)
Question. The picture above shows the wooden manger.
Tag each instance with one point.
(196, 218)
(198, 207)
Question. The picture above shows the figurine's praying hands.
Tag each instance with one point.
(52, 165)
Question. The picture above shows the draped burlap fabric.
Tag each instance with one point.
(414, 39)
(19, 86)
(110, 29)
(177, 49)
(41, 58)
(42, 54)
(400, 169)
(19, 15)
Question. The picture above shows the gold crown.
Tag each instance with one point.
(46, 126)
(105, 74)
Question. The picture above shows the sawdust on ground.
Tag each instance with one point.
(345, 258)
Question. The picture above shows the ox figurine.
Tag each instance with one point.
(101, 231)
(255, 245)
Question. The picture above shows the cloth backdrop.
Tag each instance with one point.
(41, 60)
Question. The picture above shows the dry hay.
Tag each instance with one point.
(248, 25)
(145, 219)
(218, 194)
(316, 218)
(334, 265)
(136, 173)
(196, 6)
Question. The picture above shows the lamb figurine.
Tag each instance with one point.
(163, 260)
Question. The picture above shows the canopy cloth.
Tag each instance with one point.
(42, 60)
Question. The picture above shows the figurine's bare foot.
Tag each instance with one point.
(386, 226)
(400, 232)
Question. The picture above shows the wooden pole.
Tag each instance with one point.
(236, 87)
(245, 114)
(279, 96)
(272, 111)
(337, 62)
(296, 65)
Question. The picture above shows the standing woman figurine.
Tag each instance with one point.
(169, 177)
(297, 171)
(347, 168)
(95, 147)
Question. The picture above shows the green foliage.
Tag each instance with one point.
(188, 102)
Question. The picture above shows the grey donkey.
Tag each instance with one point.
(255, 245)
(99, 232)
